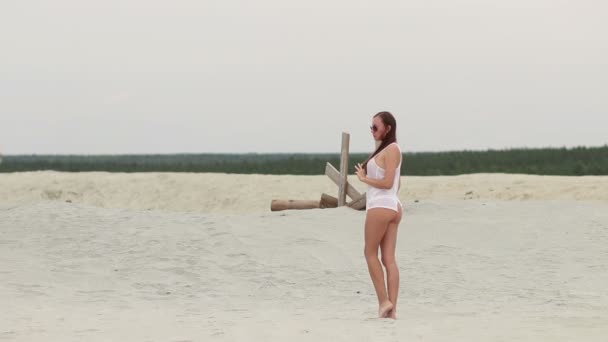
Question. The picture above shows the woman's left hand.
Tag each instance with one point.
(360, 172)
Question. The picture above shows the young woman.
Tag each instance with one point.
(381, 172)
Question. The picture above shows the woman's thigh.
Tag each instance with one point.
(376, 224)
(388, 244)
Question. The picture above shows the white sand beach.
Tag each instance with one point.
(200, 257)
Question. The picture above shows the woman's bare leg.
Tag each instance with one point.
(388, 246)
(376, 224)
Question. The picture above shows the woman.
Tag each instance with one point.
(381, 172)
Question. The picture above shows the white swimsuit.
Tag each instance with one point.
(382, 198)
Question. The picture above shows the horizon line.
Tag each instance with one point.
(307, 153)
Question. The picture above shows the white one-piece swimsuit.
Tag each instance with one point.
(382, 198)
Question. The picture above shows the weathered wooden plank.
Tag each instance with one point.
(334, 175)
(358, 204)
(343, 180)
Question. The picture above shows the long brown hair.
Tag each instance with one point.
(389, 120)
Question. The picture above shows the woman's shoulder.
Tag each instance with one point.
(395, 151)
(393, 147)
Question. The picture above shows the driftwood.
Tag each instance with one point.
(278, 205)
(340, 178)
(328, 201)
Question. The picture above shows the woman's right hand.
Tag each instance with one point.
(360, 172)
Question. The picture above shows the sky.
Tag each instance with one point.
(266, 76)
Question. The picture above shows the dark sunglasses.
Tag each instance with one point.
(374, 128)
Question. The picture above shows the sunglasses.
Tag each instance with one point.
(374, 128)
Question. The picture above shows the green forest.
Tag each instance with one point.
(547, 161)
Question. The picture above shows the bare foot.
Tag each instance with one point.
(392, 314)
(384, 309)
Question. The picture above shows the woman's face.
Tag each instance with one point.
(378, 129)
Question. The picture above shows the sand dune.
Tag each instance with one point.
(521, 258)
(223, 193)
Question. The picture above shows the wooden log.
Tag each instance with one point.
(328, 201)
(278, 205)
(343, 180)
(334, 175)
(358, 204)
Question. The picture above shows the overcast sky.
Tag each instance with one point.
(148, 76)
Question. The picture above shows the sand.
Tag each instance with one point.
(199, 257)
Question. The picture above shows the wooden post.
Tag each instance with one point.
(343, 170)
